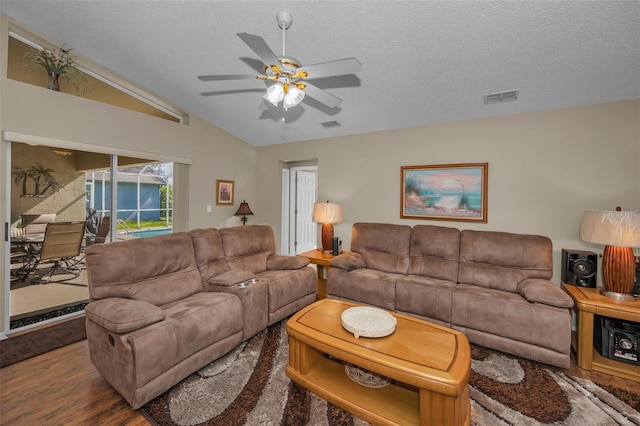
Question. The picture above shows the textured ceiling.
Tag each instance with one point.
(423, 62)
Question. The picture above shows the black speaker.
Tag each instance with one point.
(579, 267)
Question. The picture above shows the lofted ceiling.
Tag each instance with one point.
(423, 62)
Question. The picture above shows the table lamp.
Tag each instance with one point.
(327, 214)
(619, 232)
(243, 211)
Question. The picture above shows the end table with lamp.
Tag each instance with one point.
(615, 351)
(591, 305)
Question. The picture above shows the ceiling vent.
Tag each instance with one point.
(496, 98)
(328, 124)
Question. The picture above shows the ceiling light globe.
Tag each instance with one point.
(275, 93)
(294, 97)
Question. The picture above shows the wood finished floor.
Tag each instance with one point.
(62, 387)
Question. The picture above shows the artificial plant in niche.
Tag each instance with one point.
(58, 63)
(42, 177)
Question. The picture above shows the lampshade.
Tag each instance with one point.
(619, 231)
(243, 211)
(275, 93)
(293, 97)
(327, 213)
(613, 228)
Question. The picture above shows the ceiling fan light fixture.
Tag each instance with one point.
(275, 93)
(285, 71)
(293, 97)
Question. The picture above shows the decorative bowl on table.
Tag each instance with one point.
(367, 321)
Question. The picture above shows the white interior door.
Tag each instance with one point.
(306, 231)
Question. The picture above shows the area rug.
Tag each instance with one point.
(249, 387)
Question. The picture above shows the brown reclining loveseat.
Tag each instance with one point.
(163, 307)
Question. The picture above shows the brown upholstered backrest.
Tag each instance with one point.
(384, 246)
(248, 247)
(158, 270)
(209, 253)
(501, 260)
(435, 251)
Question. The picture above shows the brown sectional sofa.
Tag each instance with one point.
(493, 286)
(163, 307)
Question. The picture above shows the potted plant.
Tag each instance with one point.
(58, 63)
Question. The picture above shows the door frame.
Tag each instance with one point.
(288, 233)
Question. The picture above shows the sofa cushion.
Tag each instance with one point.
(543, 291)
(248, 247)
(288, 290)
(348, 261)
(119, 315)
(510, 316)
(385, 247)
(207, 246)
(435, 251)
(190, 325)
(158, 270)
(368, 286)
(426, 297)
(502, 260)
(286, 286)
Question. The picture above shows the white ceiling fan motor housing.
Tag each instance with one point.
(284, 19)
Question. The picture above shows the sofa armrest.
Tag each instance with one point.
(349, 261)
(537, 290)
(229, 278)
(278, 262)
(119, 315)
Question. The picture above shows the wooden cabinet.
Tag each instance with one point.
(589, 302)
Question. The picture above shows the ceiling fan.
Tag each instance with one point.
(289, 76)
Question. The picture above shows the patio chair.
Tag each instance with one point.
(34, 224)
(103, 230)
(62, 243)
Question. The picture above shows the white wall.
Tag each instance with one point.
(545, 169)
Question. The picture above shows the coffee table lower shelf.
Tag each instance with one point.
(392, 404)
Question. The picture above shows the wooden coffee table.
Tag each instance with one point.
(429, 365)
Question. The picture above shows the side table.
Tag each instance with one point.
(323, 262)
(589, 302)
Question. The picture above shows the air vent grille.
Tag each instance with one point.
(496, 98)
(328, 124)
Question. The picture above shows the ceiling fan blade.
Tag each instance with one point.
(226, 77)
(261, 48)
(321, 96)
(331, 68)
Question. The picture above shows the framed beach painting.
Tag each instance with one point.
(224, 192)
(456, 192)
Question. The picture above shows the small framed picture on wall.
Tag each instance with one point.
(224, 192)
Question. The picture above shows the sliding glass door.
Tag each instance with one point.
(71, 185)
